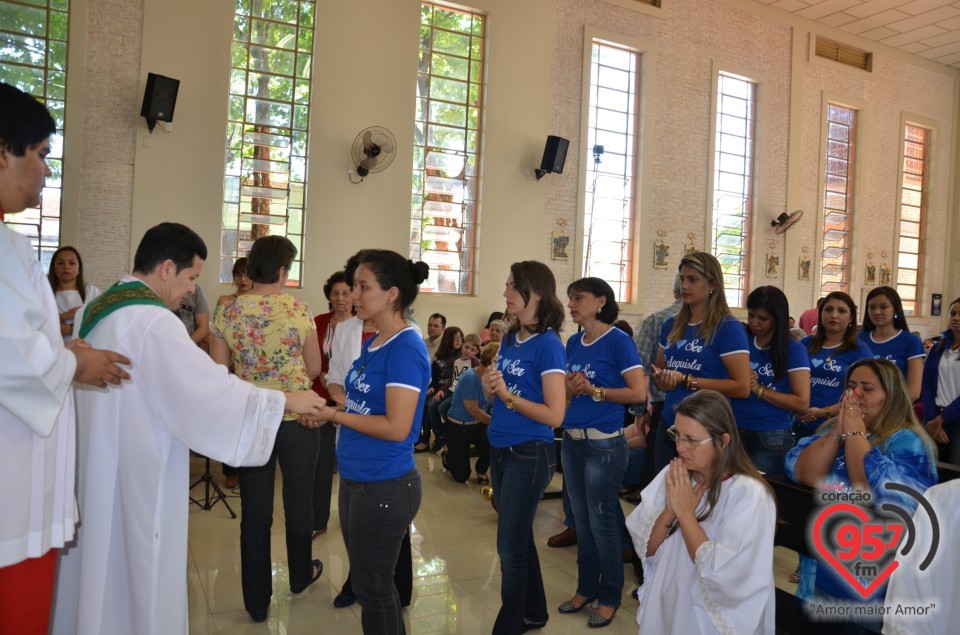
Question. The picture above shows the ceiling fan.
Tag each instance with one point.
(373, 150)
(785, 221)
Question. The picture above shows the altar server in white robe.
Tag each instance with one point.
(938, 584)
(127, 573)
(37, 448)
(705, 531)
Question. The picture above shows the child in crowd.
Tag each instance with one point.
(468, 359)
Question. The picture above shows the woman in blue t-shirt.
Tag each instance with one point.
(886, 333)
(832, 348)
(528, 383)
(604, 372)
(380, 487)
(779, 381)
(703, 346)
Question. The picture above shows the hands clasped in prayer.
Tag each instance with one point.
(578, 384)
(682, 496)
(849, 416)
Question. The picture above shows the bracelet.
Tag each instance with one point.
(333, 418)
(839, 437)
(761, 391)
(855, 433)
(512, 401)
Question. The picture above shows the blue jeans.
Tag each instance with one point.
(519, 475)
(767, 448)
(593, 470)
(374, 516)
(296, 449)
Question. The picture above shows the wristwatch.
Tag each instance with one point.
(599, 394)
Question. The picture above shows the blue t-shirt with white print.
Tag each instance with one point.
(899, 349)
(604, 362)
(691, 354)
(758, 414)
(828, 374)
(524, 364)
(402, 362)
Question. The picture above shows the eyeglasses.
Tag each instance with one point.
(685, 441)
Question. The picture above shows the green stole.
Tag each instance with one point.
(116, 297)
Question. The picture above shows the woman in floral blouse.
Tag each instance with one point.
(269, 338)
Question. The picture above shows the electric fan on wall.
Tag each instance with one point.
(373, 150)
(785, 221)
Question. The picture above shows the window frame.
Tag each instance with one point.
(297, 191)
(854, 282)
(468, 285)
(752, 253)
(642, 241)
(44, 250)
(932, 134)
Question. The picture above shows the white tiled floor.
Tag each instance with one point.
(456, 571)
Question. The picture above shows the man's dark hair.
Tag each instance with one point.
(168, 241)
(441, 317)
(24, 121)
(267, 256)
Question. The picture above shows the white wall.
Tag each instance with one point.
(120, 180)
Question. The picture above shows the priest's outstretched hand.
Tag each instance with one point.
(305, 403)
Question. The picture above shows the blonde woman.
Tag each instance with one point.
(874, 439)
(703, 346)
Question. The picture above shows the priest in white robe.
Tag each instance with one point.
(925, 602)
(37, 435)
(127, 573)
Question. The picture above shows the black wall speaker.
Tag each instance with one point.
(159, 99)
(554, 156)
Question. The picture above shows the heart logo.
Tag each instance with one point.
(576, 368)
(816, 362)
(681, 343)
(754, 365)
(860, 547)
(352, 377)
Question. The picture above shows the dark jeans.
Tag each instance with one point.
(650, 464)
(593, 471)
(296, 450)
(402, 573)
(374, 516)
(519, 475)
(459, 437)
(323, 476)
(950, 452)
(431, 421)
(664, 449)
(767, 448)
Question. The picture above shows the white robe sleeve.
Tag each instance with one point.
(640, 523)
(200, 403)
(36, 371)
(735, 567)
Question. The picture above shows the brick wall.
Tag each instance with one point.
(111, 103)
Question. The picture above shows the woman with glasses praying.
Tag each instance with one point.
(705, 531)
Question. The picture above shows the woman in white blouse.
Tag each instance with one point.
(705, 531)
